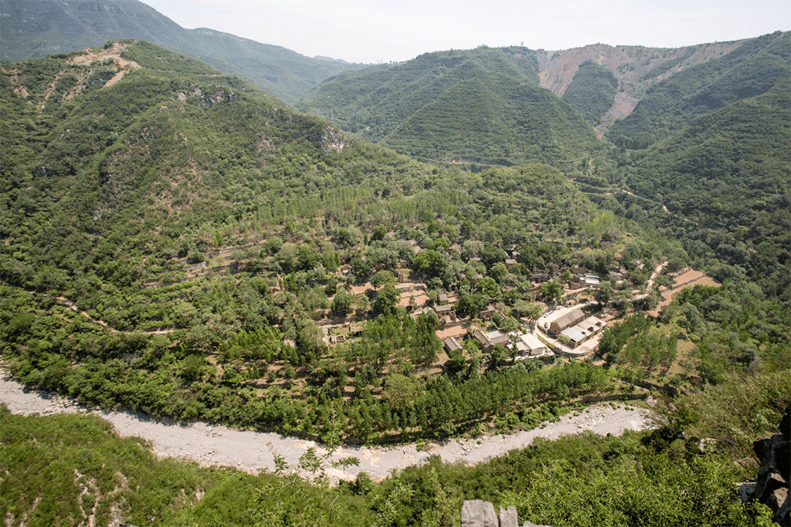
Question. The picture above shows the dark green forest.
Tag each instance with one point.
(482, 106)
(592, 91)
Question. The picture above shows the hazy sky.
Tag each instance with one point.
(375, 31)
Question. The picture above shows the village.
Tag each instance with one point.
(569, 326)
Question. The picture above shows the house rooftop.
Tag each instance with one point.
(531, 341)
(451, 344)
(574, 334)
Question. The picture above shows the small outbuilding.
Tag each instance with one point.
(451, 344)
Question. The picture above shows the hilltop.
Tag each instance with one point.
(477, 106)
(35, 28)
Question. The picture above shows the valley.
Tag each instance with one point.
(388, 301)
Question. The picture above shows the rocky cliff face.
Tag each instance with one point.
(772, 484)
(636, 68)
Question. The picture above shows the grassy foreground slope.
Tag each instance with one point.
(66, 469)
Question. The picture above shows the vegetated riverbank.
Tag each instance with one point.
(255, 451)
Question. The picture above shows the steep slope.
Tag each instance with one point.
(480, 106)
(750, 70)
(636, 68)
(173, 239)
(728, 174)
(145, 152)
(34, 28)
(592, 91)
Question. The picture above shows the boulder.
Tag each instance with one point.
(772, 484)
(478, 513)
(508, 517)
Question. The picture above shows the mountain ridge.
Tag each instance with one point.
(32, 26)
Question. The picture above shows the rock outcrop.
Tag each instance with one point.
(774, 475)
(479, 513)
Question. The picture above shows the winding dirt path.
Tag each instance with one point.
(253, 451)
(650, 283)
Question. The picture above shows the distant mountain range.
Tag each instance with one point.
(34, 28)
(482, 106)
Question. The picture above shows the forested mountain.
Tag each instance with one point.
(486, 106)
(592, 70)
(605, 84)
(719, 159)
(477, 106)
(34, 28)
(592, 91)
(748, 71)
(177, 242)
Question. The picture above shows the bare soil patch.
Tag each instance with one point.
(687, 278)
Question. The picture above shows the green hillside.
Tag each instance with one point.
(34, 28)
(65, 469)
(203, 234)
(592, 91)
(728, 174)
(175, 242)
(477, 106)
(750, 70)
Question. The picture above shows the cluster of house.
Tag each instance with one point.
(575, 326)
(525, 345)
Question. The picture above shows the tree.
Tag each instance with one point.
(425, 343)
(469, 305)
(498, 355)
(498, 271)
(382, 278)
(603, 294)
(378, 233)
(552, 291)
(488, 287)
(491, 255)
(400, 391)
(360, 268)
(386, 300)
(533, 312)
(431, 263)
(342, 303)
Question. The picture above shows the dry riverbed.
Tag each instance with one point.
(254, 451)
